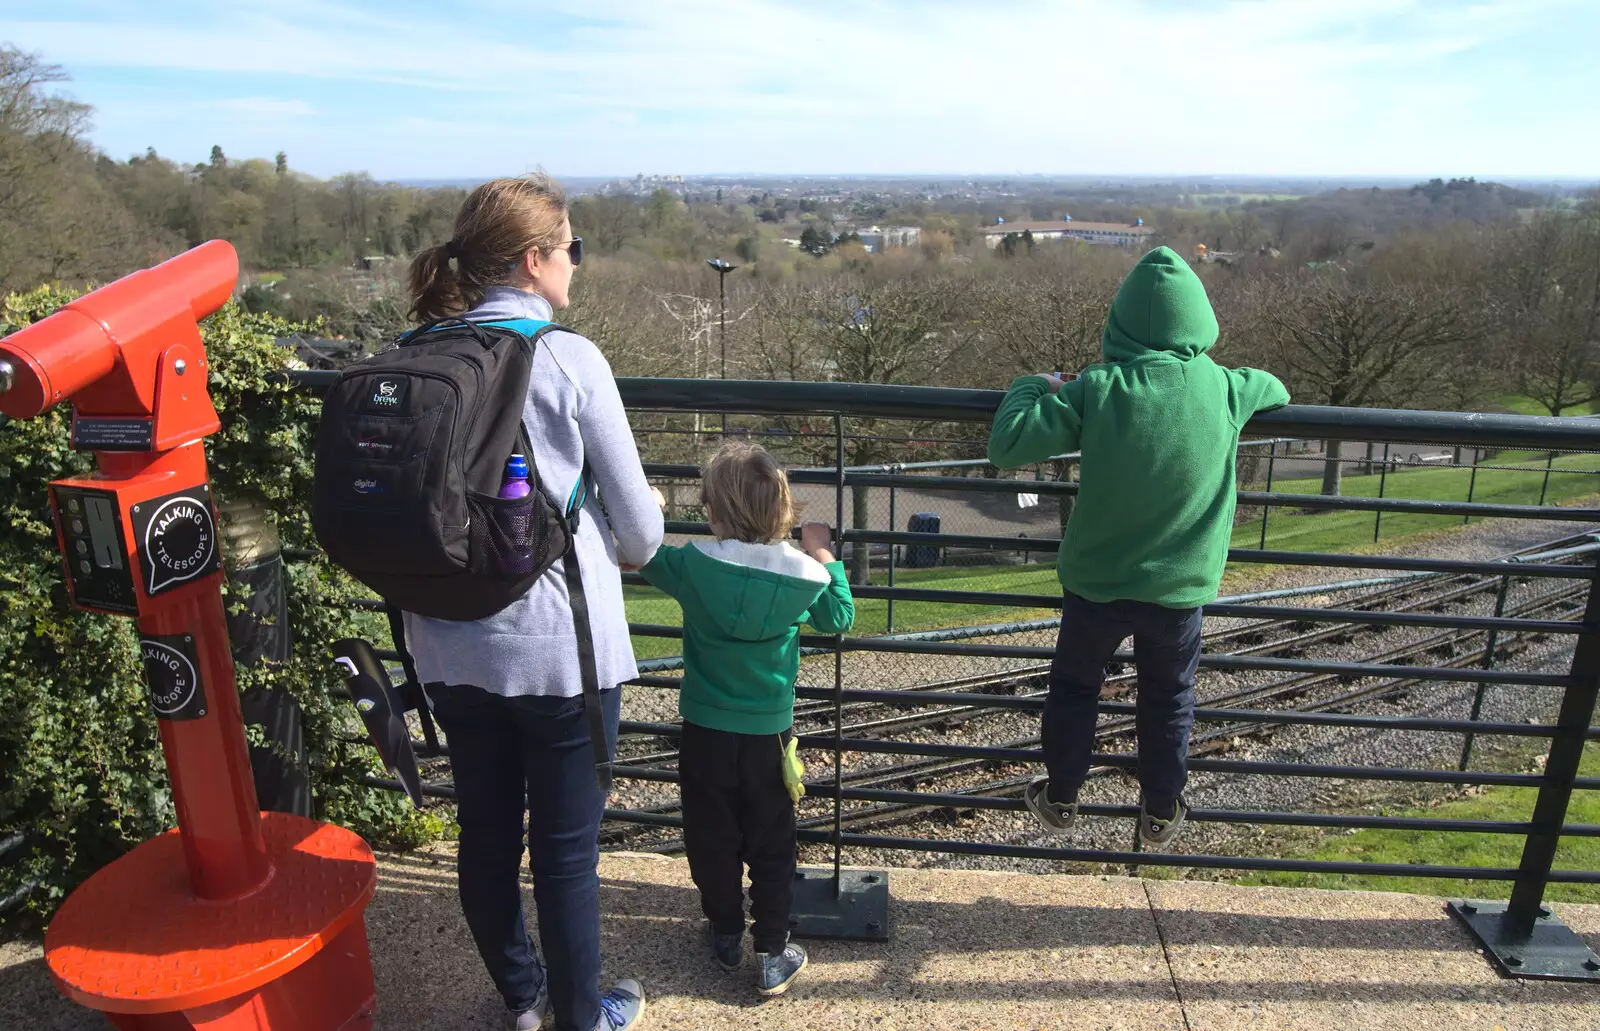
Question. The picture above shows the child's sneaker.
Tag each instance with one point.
(727, 948)
(621, 1007)
(1158, 830)
(778, 972)
(1056, 816)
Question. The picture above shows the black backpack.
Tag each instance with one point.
(410, 454)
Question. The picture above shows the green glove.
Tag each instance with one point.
(793, 770)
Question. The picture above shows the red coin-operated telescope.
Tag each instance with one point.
(238, 919)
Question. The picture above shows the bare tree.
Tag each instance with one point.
(1342, 341)
(1549, 308)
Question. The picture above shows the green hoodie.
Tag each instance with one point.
(1158, 423)
(742, 609)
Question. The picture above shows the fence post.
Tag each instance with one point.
(889, 628)
(1488, 663)
(838, 667)
(1549, 461)
(1383, 481)
(1266, 510)
(1472, 482)
(840, 905)
(1523, 937)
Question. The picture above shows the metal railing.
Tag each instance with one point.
(1522, 936)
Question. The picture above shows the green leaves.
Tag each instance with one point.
(81, 771)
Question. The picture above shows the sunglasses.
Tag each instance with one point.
(575, 250)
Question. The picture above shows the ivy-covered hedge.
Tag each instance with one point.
(81, 772)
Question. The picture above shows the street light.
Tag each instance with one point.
(722, 269)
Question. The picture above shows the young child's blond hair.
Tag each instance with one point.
(748, 494)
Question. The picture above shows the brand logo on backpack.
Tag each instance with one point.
(368, 487)
(388, 395)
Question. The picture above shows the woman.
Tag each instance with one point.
(507, 689)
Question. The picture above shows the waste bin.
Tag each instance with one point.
(922, 556)
(259, 632)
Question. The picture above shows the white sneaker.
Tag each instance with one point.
(532, 1017)
(621, 1007)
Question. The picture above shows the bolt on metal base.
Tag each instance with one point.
(857, 911)
(1551, 951)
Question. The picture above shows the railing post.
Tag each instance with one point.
(1523, 937)
(1488, 663)
(1383, 482)
(889, 627)
(1472, 482)
(844, 906)
(1266, 510)
(1549, 461)
(838, 666)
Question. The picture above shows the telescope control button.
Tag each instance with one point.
(84, 565)
(83, 547)
(77, 524)
(74, 506)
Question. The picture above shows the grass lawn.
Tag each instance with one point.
(1434, 847)
(648, 605)
(1290, 530)
(1520, 405)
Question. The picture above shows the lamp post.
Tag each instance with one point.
(722, 269)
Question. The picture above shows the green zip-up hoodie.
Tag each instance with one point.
(1157, 422)
(742, 609)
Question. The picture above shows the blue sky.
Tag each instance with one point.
(405, 89)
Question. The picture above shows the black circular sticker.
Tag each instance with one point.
(177, 538)
(172, 677)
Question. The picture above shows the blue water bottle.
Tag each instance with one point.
(515, 482)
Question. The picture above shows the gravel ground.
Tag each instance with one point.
(1341, 746)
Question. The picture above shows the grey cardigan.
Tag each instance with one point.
(573, 414)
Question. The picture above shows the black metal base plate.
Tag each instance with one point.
(1552, 952)
(858, 911)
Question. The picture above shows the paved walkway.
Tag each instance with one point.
(974, 951)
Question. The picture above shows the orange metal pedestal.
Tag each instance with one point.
(136, 943)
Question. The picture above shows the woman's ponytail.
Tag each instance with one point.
(501, 221)
(435, 287)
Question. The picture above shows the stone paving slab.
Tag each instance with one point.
(1307, 959)
(970, 950)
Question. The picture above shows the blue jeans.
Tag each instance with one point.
(530, 755)
(1166, 653)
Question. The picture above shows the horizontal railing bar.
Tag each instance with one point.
(929, 750)
(1275, 499)
(1308, 615)
(1227, 662)
(1121, 858)
(946, 800)
(952, 404)
(1035, 703)
(954, 801)
(932, 750)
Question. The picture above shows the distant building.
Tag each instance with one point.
(1119, 234)
(878, 240)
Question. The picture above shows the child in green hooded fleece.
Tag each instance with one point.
(1157, 423)
(744, 596)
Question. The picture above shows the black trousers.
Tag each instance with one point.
(736, 813)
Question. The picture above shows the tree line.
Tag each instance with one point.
(1449, 293)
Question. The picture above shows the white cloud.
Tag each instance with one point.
(277, 107)
(699, 85)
